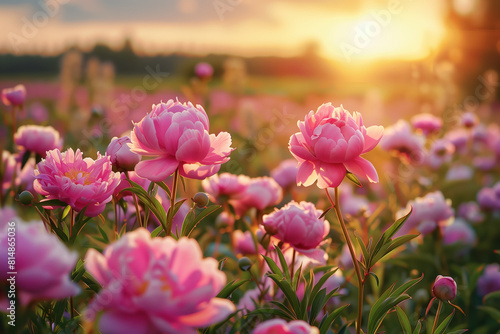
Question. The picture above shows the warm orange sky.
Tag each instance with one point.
(346, 30)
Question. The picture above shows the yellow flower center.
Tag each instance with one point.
(79, 176)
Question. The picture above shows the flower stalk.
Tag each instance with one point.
(361, 281)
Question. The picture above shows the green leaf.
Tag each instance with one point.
(391, 231)
(50, 202)
(80, 222)
(284, 308)
(378, 315)
(383, 243)
(389, 299)
(320, 283)
(376, 277)
(403, 320)
(317, 304)
(361, 244)
(353, 179)
(66, 211)
(163, 186)
(156, 231)
(171, 212)
(190, 223)
(230, 288)
(444, 325)
(148, 200)
(273, 311)
(273, 266)
(288, 291)
(103, 234)
(26, 157)
(296, 277)
(283, 263)
(493, 312)
(459, 331)
(327, 323)
(494, 294)
(418, 327)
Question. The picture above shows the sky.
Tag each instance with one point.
(344, 30)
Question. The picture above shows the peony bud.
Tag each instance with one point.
(245, 263)
(122, 158)
(201, 199)
(444, 288)
(224, 220)
(26, 197)
(14, 96)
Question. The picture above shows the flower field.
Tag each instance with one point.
(332, 225)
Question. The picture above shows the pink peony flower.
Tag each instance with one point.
(441, 152)
(43, 263)
(176, 136)
(459, 138)
(76, 181)
(351, 203)
(37, 139)
(485, 163)
(471, 212)
(489, 198)
(330, 143)
(459, 172)
(203, 70)
(280, 326)
(429, 212)
(400, 140)
(122, 158)
(286, 173)
(225, 186)
(469, 119)
(38, 112)
(262, 192)
(299, 225)
(14, 96)
(243, 243)
(444, 288)
(459, 232)
(489, 280)
(7, 213)
(427, 123)
(157, 285)
(9, 167)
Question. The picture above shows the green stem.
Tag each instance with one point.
(353, 256)
(293, 264)
(170, 218)
(72, 222)
(440, 306)
(116, 215)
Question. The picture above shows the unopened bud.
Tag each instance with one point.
(26, 197)
(245, 263)
(444, 288)
(201, 200)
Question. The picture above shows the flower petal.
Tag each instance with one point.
(306, 174)
(362, 167)
(197, 171)
(372, 137)
(217, 310)
(330, 175)
(157, 169)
